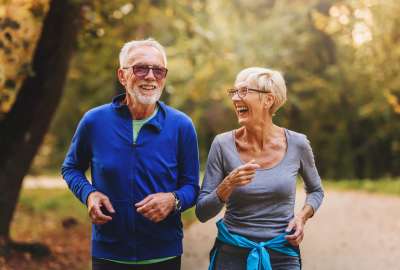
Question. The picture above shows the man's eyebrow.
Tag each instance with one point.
(145, 64)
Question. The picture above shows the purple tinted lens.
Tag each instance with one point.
(141, 71)
(159, 73)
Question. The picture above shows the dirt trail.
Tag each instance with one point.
(351, 230)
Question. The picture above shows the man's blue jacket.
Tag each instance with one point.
(164, 158)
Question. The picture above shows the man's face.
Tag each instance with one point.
(144, 89)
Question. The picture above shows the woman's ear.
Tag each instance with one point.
(269, 101)
(273, 98)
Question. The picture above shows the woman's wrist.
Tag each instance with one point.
(224, 190)
(220, 197)
(306, 213)
(302, 218)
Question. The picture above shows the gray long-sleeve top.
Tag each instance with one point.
(263, 208)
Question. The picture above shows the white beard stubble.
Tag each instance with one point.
(144, 99)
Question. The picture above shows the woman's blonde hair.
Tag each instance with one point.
(267, 80)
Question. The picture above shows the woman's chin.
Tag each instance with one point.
(242, 121)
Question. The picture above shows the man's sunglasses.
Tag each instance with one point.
(142, 71)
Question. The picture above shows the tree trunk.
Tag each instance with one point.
(23, 128)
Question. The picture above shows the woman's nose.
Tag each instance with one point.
(236, 97)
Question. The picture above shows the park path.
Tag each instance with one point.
(31, 182)
(351, 231)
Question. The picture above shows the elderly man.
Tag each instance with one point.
(144, 166)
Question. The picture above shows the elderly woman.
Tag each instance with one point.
(252, 171)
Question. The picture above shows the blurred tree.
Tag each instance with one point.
(363, 88)
(340, 60)
(31, 93)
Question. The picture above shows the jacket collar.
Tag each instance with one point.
(157, 121)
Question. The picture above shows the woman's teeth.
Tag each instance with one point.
(242, 109)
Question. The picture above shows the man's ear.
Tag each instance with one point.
(121, 76)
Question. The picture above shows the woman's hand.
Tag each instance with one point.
(240, 176)
(297, 224)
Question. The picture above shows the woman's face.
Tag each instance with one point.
(251, 108)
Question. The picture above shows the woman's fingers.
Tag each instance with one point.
(243, 178)
(298, 231)
(238, 173)
(248, 167)
(295, 241)
(297, 236)
(243, 174)
(243, 183)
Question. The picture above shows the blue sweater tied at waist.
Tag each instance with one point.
(258, 258)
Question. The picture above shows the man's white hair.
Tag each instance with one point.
(129, 46)
(268, 80)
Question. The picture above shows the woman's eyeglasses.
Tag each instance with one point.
(242, 92)
(141, 71)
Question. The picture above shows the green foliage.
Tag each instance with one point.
(54, 203)
(340, 60)
(382, 186)
(58, 204)
(189, 216)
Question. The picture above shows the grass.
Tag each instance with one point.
(56, 205)
(188, 217)
(59, 202)
(41, 210)
(41, 216)
(53, 217)
(382, 186)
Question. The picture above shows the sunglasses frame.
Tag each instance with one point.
(149, 67)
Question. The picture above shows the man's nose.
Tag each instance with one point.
(150, 75)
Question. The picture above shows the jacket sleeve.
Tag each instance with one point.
(77, 162)
(188, 164)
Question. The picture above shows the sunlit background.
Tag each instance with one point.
(340, 59)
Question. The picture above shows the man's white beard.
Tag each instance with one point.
(145, 99)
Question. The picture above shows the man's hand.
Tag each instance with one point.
(156, 207)
(95, 202)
